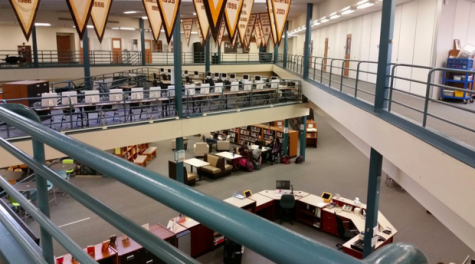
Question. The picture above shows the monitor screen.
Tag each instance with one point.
(224, 75)
(282, 185)
(257, 78)
(208, 74)
(162, 70)
(232, 76)
(274, 78)
(169, 70)
(216, 74)
(196, 73)
(248, 193)
(326, 196)
(245, 77)
(186, 72)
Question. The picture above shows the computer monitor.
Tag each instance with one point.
(208, 74)
(274, 78)
(282, 186)
(186, 72)
(245, 77)
(257, 78)
(162, 70)
(232, 76)
(224, 76)
(169, 70)
(216, 75)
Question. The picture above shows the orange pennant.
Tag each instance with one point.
(214, 11)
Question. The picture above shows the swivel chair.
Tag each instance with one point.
(343, 233)
(287, 204)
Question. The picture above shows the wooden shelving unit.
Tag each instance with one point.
(312, 134)
(309, 215)
(130, 153)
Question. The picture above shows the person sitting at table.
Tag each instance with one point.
(213, 140)
(257, 157)
(259, 141)
(276, 149)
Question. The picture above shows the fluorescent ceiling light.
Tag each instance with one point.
(126, 28)
(115, 28)
(144, 18)
(90, 26)
(131, 12)
(364, 4)
(324, 19)
(43, 24)
(334, 15)
(348, 11)
(194, 14)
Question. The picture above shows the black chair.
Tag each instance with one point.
(232, 252)
(287, 204)
(343, 233)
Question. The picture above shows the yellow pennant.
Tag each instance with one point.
(169, 10)
(202, 21)
(244, 18)
(80, 11)
(187, 24)
(154, 17)
(281, 12)
(25, 12)
(270, 10)
(100, 14)
(214, 11)
(232, 12)
(250, 29)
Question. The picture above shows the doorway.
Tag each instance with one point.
(325, 55)
(148, 51)
(116, 50)
(63, 43)
(347, 55)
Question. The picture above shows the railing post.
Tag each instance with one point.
(393, 72)
(207, 55)
(330, 77)
(303, 136)
(276, 53)
(286, 44)
(357, 77)
(179, 90)
(219, 54)
(308, 40)
(285, 144)
(372, 204)
(142, 41)
(342, 73)
(426, 100)
(87, 66)
(385, 51)
(35, 47)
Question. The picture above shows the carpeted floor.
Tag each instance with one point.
(335, 166)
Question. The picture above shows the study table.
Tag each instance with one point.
(197, 163)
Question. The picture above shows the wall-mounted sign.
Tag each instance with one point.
(187, 24)
(232, 12)
(25, 12)
(202, 21)
(244, 19)
(281, 11)
(250, 29)
(99, 15)
(169, 10)
(215, 12)
(80, 11)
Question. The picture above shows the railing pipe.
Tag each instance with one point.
(426, 100)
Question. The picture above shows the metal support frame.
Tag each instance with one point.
(178, 89)
(285, 144)
(87, 66)
(142, 41)
(276, 53)
(372, 204)
(286, 44)
(35, 47)
(385, 51)
(303, 136)
(208, 56)
(308, 41)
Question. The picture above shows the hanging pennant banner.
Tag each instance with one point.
(25, 12)
(259, 27)
(187, 24)
(249, 29)
(266, 27)
(80, 11)
(199, 32)
(169, 10)
(258, 35)
(270, 10)
(232, 12)
(99, 15)
(234, 41)
(244, 18)
(202, 20)
(154, 17)
(281, 11)
(215, 11)
(221, 33)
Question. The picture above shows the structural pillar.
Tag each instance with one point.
(276, 53)
(207, 55)
(308, 41)
(142, 41)
(385, 51)
(87, 66)
(303, 136)
(177, 72)
(219, 54)
(286, 44)
(372, 204)
(285, 144)
(35, 47)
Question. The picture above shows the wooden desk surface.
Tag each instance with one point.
(260, 199)
(161, 232)
(98, 256)
(124, 247)
(239, 202)
(189, 223)
(314, 200)
(272, 194)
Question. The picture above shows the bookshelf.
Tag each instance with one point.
(130, 153)
(312, 134)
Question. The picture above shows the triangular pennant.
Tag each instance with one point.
(232, 13)
(270, 10)
(244, 18)
(258, 35)
(234, 42)
(99, 15)
(80, 11)
(187, 24)
(266, 27)
(169, 10)
(259, 27)
(25, 12)
(221, 33)
(250, 28)
(214, 11)
(281, 11)
(154, 17)
(202, 21)
(199, 32)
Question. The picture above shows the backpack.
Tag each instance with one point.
(285, 159)
(242, 163)
(249, 167)
(299, 160)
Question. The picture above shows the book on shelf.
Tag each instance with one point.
(316, 224)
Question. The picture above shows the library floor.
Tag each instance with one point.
(336, 167)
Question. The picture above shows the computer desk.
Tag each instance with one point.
(110, 256)
(264, 206)
(246, 204)
(273, 194)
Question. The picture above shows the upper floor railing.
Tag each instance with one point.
(266, 238)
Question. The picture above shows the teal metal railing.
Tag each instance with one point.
(264, 237)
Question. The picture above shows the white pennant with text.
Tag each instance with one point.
(154, 17)
(80, 11)
(202, 20)
(99, 15)
(187, 24)
(281, 12)
(169, 10)
(25, 12)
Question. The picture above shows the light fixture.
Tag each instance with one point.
(115, 28)
(364, 4)
(324, 19)
(42, 24)
(144, 18)
(126, 28)
(90, 26)
(334, 15)
(131, 12)
(194, 14)
(347, 10)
